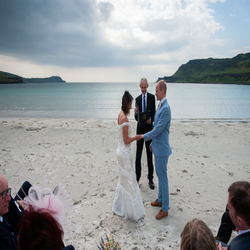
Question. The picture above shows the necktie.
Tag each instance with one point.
(144, 104)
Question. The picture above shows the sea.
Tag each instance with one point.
(102, 100)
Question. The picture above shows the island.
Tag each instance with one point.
(234, 70)
(8, 78)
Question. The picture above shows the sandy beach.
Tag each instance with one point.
(207, 157)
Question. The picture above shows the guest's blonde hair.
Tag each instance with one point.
(196, 235)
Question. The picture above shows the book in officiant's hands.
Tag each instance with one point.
(143, 117)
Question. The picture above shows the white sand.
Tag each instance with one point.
(206, 159)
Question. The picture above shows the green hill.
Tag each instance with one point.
(42, 80)
(234, 70)
(6, 78)
(9, 78)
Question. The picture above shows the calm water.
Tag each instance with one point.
(103, 100)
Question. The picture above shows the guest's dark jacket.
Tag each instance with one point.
(241, 242)
(8, 240)
(150, 109)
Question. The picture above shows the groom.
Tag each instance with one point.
(160, 147)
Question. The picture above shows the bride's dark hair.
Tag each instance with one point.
(126, 100)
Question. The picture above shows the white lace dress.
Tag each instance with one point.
(128, 202)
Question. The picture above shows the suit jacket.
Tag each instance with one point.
(241, 242)
(8, 240)
(150, 109)
(160, 133)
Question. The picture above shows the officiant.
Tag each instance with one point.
(144, 115)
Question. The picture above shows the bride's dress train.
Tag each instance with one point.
(128, 202)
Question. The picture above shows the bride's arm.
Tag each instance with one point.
(128, 139)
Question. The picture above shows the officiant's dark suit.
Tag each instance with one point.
(150, 108)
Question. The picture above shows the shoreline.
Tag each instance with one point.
(132, 119)
(80, 153)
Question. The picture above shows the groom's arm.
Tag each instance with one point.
(158, 128)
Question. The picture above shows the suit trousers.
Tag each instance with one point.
(139, 149)
(161, 171)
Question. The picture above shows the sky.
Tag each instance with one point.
(118, 40)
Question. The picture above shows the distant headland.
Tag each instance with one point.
(8, 78)
(234, 70)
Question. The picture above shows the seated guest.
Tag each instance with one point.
(196, 235)
(239, 207)
(226, 228)
(40, 231)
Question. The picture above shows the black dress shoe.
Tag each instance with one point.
(151, 184)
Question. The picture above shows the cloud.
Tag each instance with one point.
(103, 34)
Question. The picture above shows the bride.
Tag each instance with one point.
(128, 202)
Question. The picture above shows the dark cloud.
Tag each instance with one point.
(56, 32)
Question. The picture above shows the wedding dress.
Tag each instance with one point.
(128, 202)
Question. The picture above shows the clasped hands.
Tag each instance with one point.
(138, 137)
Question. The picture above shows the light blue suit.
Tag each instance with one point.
(161, 150)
